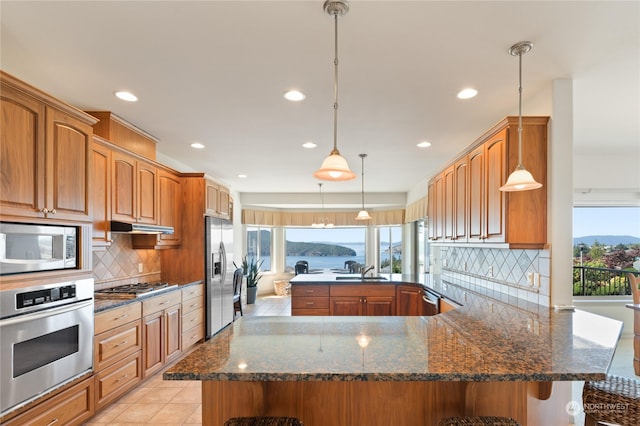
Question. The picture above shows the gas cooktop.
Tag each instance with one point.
(130, 291)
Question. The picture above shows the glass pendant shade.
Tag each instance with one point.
(520, 180)
(334, 167)
(363, 215)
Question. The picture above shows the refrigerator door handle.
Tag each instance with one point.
(223, 261)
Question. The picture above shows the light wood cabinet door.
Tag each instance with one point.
(448, 203)
(435, 208)
(117, 379)
(22, 149)
(153, 336)
(461, 198)
(476, 164)
(123, 187)
(113, 345)
(495, 176)
(218, 201)
(147, 193)
(101, 194)
(45, 160)
(169, 207)
(172, 332)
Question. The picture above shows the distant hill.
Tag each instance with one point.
(317, 249)
(607, 240)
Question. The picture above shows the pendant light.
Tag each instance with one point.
(323, 222)
(335, 167)
(363, 214)
(520, 179)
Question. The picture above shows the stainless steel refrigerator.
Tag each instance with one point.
(219, 273)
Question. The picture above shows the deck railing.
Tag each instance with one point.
(588, 281)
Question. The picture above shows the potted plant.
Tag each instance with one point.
(251, 270)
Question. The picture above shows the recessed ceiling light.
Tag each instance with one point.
(467, 93)
(126, 96)
(294, 95)
(309, 145)
(197, 145)
(241, 176)
(424, 144)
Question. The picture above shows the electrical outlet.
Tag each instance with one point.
(536, 279)
(530, 278)
(464, 266)
(140, 267)
(490, 273)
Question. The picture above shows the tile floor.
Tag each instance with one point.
(179, 402)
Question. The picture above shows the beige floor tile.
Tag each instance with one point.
(108, 414)
(174, 413)
(134, 395)
(196, 417)
(139, 413)
(159, 395)
(188, 395)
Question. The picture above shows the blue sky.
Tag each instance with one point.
(606, 221)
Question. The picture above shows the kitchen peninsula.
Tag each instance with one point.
(484, 358)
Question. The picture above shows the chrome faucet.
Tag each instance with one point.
(364, 270)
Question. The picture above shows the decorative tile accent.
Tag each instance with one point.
(500, 270)
(119, 264)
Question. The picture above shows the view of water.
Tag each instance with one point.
(326, 262)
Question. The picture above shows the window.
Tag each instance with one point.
(324, 248)
(259, 245)
(390, 249)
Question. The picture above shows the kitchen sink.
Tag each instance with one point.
(352, 278)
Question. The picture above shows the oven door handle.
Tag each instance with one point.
(46, 313)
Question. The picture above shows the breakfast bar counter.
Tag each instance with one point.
(485, 358)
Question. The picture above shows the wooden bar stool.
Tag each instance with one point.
(263, 421)
(478, 421)
(613, 400)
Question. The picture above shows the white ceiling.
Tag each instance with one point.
(214, 72)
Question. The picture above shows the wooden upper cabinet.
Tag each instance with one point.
(476, 165)
(170, 207)
(495, 176)
(218, 200)
(44, 155)
(134, 189)
(465, 201)
(101, 194)
(461, 199)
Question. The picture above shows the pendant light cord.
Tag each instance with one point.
(362, 156)
(335, 88)
(520, 166)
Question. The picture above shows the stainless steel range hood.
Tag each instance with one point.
(139, 228)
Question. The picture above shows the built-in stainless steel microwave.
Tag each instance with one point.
(35, 247)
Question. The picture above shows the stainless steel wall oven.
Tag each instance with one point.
(46, 339)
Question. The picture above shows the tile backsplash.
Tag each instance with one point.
(119, 264)
(524, 274)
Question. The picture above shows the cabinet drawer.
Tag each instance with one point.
(71, 407)
(363, 290)
(193, 318)
(117, 379)
(192, 291)
(302, 312)
(116, 317)
(192, 336)
(310, 303)
(159, 303)
(192, 304)
(115, 344)
(310, 290)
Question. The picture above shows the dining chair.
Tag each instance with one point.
(237, 292)
(634, 282)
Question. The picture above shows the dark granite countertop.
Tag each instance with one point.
(485, 340)
(100, 305)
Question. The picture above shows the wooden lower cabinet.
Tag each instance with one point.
(447, 305)
(192, 325)
(161, 331)
(310, 299)
(115, 380)
(362, 299)
(71, 407)
(409, 301)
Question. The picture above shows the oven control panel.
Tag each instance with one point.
(44, 296)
